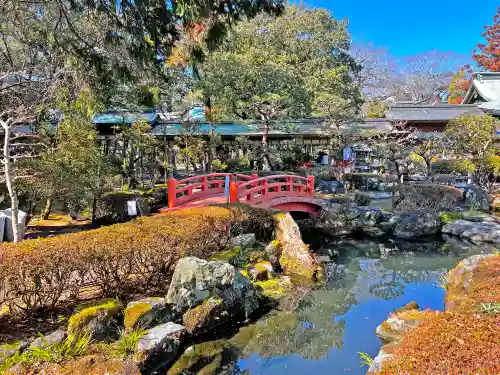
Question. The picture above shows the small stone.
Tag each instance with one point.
(261, 271)
(244, 241)
(53, 338)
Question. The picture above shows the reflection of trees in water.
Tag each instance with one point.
(310, 332)
(317, 325)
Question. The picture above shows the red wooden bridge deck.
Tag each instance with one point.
(283, 192)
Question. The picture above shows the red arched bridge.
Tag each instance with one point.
(282, 192)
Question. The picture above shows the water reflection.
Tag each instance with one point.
(365, 281)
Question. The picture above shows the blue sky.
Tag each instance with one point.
(410, 27)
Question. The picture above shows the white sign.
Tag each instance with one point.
(132, 208)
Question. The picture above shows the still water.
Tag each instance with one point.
(330, 326)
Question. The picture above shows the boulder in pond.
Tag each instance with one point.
(476, 232)
(146, 312)
(195, 280)
(159, 346)
(406, 318)
(205, 358)
(98, 321)
(296, 259)
(417, 224)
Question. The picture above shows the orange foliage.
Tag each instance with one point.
(489, 54)
(449, 344)
(461, 341)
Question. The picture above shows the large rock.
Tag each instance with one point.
(159, 346)
(476, 232)
(478, 199)
(8, 350)
(195, 280)
(99, 321)
(146, 313)
(296, 259)
(417, 224)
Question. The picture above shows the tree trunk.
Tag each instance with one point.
(265, 146)
(47, 209)
(9, 180)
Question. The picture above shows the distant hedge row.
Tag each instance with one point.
(123, 259)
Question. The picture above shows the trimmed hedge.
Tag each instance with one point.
(429, 197)
(122, 259)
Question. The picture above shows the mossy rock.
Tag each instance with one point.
(227, 255)
(275, 289)
(206, 316)
(202, 359)
(8, 350)
(145, 313)
(98, 321)
(408, 307)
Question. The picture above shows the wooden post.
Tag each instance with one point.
(172, 192)
(310, 185)
(204, 185)
(233, 192)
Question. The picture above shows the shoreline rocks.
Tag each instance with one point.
(487, 231)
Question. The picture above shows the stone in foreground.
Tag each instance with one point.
(160, 345)
(99, 322)
(51, 339)
(207, 355)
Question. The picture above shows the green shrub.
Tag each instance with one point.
(134, 257)
(428, 197)
(238, 165)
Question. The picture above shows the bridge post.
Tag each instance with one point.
(233, 192)
(172, 192)
(310, 184)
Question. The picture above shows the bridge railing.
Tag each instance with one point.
(198, 187)
(264, 189)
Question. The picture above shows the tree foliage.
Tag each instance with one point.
(286, 66)
(487, 54)
(473, 136)
(458, 86)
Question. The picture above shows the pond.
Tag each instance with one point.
(366, 281)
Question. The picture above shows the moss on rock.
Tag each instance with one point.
(96, 321)
(207, 355)
(206, 316)
(146, 312)
(275, 288)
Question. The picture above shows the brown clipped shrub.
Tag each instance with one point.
(134, 257)
(427, 197)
